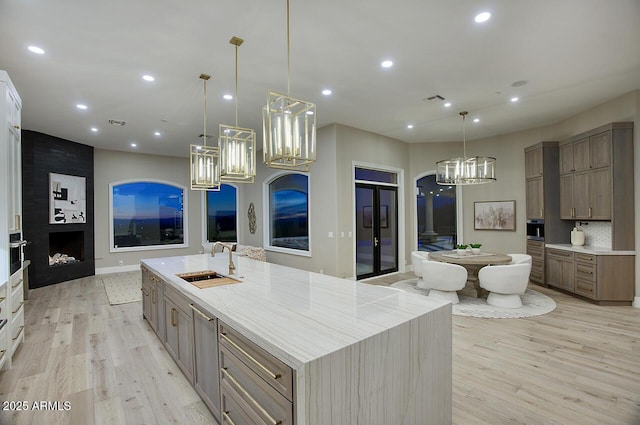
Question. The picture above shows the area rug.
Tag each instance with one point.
(533, 304)
(122, 288)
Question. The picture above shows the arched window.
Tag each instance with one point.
(222, 214)
(288, 209)
(146, 215)
(436, 215)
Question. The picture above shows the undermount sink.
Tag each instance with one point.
(206, 279)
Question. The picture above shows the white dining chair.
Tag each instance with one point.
(443, 279)
(505, 284)
(416, 261)
(520, 258)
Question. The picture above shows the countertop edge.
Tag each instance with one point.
(592, 250)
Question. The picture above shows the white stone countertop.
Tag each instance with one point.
(588, 249)
(297, 316)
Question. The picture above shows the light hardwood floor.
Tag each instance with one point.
(579, 364)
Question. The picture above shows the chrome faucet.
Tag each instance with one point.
(232, 266)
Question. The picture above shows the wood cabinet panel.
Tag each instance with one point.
(566, 197)
(581, 150)
(560, 269)
(601, 190)
(535, 198)
(600, 153)
(206, 371)
(179, 331)
(536, 250)
(533, 165)
(581, 195)
(566, 159)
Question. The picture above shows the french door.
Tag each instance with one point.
(376, 230)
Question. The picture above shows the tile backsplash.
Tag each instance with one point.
(596, 233)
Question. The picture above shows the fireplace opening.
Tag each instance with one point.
(66, 248)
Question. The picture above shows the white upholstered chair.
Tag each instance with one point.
(416, 261)
(444, 279)
(520, 258)
(505, 284)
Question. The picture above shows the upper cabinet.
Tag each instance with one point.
(596, 179)
(10, 126)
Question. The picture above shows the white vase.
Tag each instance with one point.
(577, 237)
(461, 251)
(475, 251)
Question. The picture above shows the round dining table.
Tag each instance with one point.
(473, 263)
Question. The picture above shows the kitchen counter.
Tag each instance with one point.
(588, 249)
(370, 345)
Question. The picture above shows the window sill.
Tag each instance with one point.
(290, 251)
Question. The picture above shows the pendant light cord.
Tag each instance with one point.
(204, 135)
(236, 93)
(288, 54)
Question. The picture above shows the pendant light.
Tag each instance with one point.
(466, 170)
(289, 126)
(205, 160)
(237, 145)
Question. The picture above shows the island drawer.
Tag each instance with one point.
(272, 370)
(586, 258)
(178, 299)
(250, 395)
(586, 288)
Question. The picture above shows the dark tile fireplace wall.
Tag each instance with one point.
(43, 154)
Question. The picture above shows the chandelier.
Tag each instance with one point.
(205, 160)
(466, 170)
(237, 145)
(289, 126)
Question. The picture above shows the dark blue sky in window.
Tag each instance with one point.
(223, 200)
(144, 200)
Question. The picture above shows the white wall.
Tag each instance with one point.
(113, 166)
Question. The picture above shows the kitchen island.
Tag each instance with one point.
(295, 347)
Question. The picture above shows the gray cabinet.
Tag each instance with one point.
(536, 250)
(596, 180)
(560, 269)
(605, 279)
(152, 290)
(178, 338)
(206, 367)
(256, 388)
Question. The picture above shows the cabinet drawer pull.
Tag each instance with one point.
(248, 396)
(17, 284)
(19, 332)
(197, 310)
(250, 357)
(173, 318)
(153, 296)
(145, 292)
(2, 353)
(19, 307)
(227, 419)
(590, 210)
(2, 299)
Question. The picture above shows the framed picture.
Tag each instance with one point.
(494, 215)
(67, 199)
(367, 218)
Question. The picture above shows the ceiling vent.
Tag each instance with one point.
(433, 98)
(117, 122)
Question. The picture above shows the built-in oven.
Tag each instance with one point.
(535, 230)
(16, 245)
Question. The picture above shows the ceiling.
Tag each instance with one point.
(574, 54)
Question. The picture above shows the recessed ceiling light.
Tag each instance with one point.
(326, 92)
(227, 97)
(134, 145)
(148, 78)
(482, 17)
(386, 64)
(157, 133)
(514, 99)
(476, 120)
(447, 105)
(94, 129)
(410, 126)
(81, 106)
(36, 49)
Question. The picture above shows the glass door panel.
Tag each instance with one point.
(388, 229)
(364, 230)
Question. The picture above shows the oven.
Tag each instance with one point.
(535, 230)
(16, 245)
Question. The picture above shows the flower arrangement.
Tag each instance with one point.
(475, 248)
(461, 249)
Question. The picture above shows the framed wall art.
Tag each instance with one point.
(67, 199)
(494, 215)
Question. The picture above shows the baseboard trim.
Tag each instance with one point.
(118, 269)
(636, 302)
